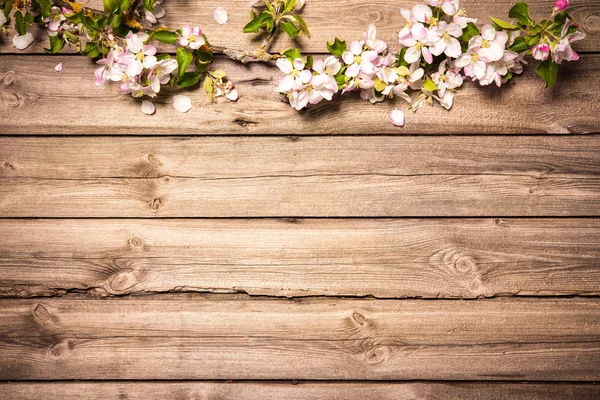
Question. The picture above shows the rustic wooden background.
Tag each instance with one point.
(247, 251)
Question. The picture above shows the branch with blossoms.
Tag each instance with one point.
(439, 49)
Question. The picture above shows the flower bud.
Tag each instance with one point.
(561, 5)
(541, 51)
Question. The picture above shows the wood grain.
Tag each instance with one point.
(311, 176)
(36, 99)
(327, 20)
(384, 258)
(198, 337)
(296, 391)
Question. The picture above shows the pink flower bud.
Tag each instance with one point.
(540, 51)
(561, 5)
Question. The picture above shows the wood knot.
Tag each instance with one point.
(165, 179)
(592, 24)
(155, 204)
(41, 313)
(377, 355)
(465, 264)
(154, 161)
(11, 99)
(136, 242)
(62, 348)
(476, 286)
(8, 165)
(374, 16)
(8, 78)
(359, 318)
(124, 280)
(531, 190)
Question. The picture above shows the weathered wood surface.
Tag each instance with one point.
(199, 337)
(36, 99)
(350, 20)
(310, 176)
(296, 391)
(383, 258)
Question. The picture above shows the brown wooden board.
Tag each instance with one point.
(431, 258)
(329, 19)
(34, 98)
(198, 337)
(296, 391)
(321, 177)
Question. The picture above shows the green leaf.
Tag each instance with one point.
(166, 36)
(519, 45)
(531, 39)
(204, 57)
(161, 57)
(503, 24)
(289, 28)
(337, 48)
(310, 61)
(188, 79)
(28, 18)
(56, 44)
(303, 26)
(292, 54)
(209, 87)
(263, 20)
(8, 7)
(91, 50)
(45, 7)
(184, 58)
(20, 25)
(149, 5)
(430, 86)
(548, 70)
(123, 5)
(109, 6)
(520, 11)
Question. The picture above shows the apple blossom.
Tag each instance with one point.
(490, 44)
(191, 37)
(139, 55)
(540, 51)
(448, 42)
(154, 16)
(562, 51)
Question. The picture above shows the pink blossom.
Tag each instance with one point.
(541, 51)
(561, 5)
(191, 37)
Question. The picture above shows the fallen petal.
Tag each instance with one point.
(221, 15)
(182, 103)
(397, 118)
(58, 68)
(23, 42)
(148, 107)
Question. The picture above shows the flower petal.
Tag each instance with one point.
(221, 15)
(148, 107)
(58, 68)
(182, 103)
(23, 42)
(397, 118)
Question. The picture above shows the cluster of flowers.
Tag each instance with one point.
(141, 72)
(436, 34)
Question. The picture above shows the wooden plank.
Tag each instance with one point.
(321, 177)
(433, 258)
(296, 391)
(36, 99)
(199, 337)
(350, 21)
